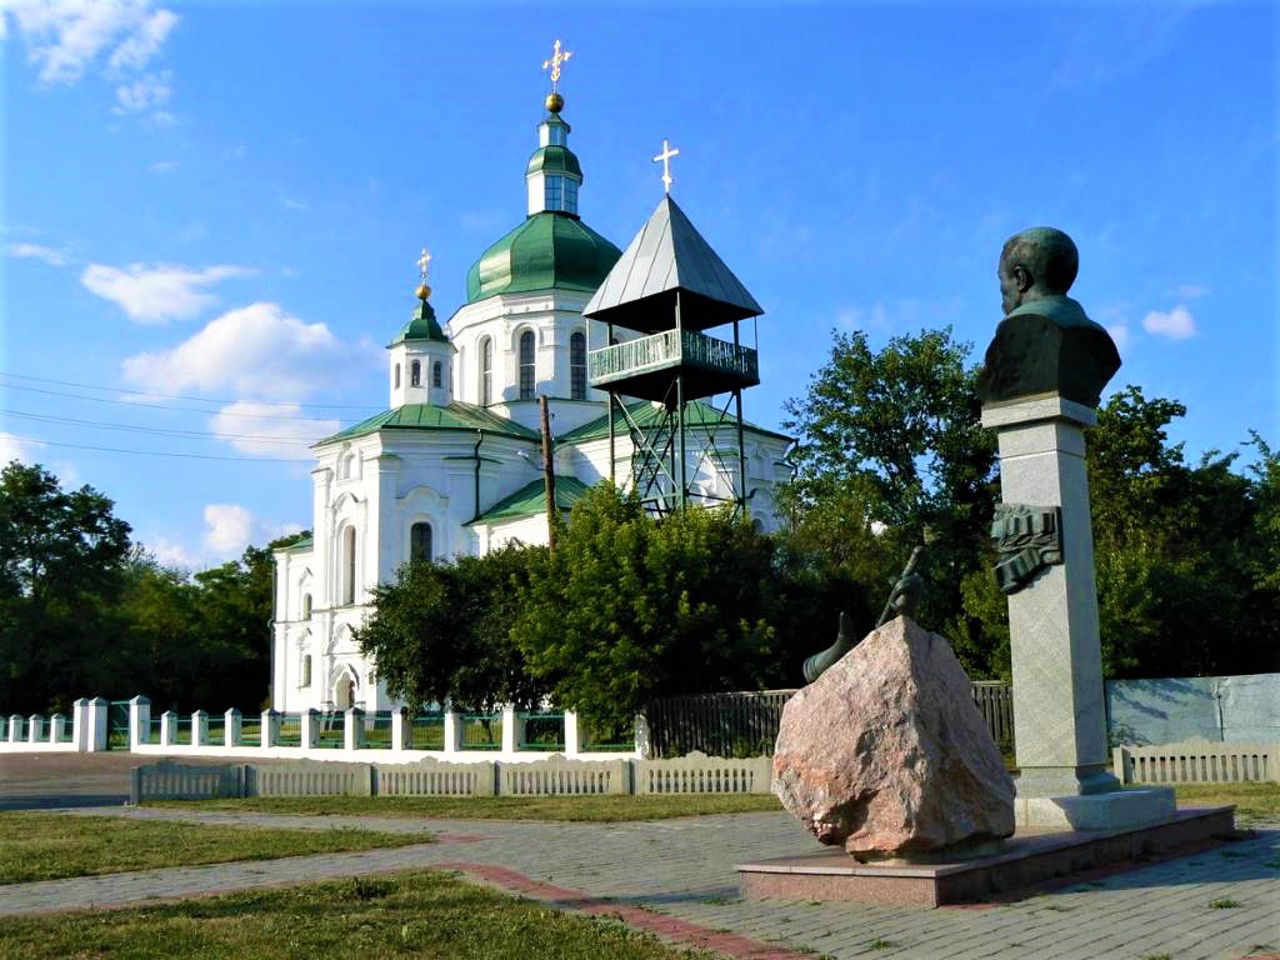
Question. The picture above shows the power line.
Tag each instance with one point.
(163, 406)
(177, 396)
(133, 428)
(155, 453)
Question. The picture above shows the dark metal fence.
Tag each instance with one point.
(746, 724)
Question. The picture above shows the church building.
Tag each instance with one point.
(454, 464)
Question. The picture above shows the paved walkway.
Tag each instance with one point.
(676, 877)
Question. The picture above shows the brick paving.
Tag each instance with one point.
(676, 879)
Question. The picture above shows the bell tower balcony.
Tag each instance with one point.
(646, 366)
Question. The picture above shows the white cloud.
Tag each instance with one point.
(144, 42)
(229, 528)
(16, 448)
(64, 38)
(293, 204)
(158, 293)
(163, 166)
(270, 429)
(147, 93)
(1122, 336)
(1177, 324)
(258, 351)
(171, 554)
(54, 258)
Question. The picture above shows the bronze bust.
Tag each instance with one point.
(1046, 343)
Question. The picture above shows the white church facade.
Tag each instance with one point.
(454, 465)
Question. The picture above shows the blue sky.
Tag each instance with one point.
(224, 203)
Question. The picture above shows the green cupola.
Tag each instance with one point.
(421, 355)
(553, 247)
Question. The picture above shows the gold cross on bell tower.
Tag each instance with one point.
(558, 57)
(665, 158)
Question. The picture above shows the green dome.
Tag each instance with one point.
(548, 250)
(554, 160)
(421, 326)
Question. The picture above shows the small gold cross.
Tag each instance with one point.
(424, 264)
(557, 58)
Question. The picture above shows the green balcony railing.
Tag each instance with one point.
(668, 349)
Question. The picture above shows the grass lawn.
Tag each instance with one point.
(402, 915)
(594, 808)
(1255, 802)
(48, 846)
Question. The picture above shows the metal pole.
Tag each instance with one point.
(682, 495)
(548, 471)
(612, 454)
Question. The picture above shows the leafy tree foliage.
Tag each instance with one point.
(441, 632)
(629, 607)
(890, 451)
(1183, 553)
(62, 558)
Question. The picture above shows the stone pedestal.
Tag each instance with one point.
(1058, 711)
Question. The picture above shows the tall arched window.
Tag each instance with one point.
(397, 376)
(486, 372)
(527, 369)
(437, 374)
(349, 565)
(306, 671)
(306, 606)
(415, 374)
(578, 366)
(420, 542)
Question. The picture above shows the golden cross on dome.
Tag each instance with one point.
(557, 58)
(424, 264)
(665, 157)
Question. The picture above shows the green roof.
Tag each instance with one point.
(421, 326)
(697, 413)
(429, 416)
(306, 543)
(531, 500)
(550, 249)
(554, 159)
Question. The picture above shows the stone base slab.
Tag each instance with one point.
(1120, 810)
(1030, 857)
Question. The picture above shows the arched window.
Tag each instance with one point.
(305, 681)
(420, 542)
(527, 369)
(415, 374)
(347, 466)
(306, 606)
(349, 565)
(486, 372)
(578, 366)
(397, 376)
(437, 374)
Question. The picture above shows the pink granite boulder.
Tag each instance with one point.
(887, 754)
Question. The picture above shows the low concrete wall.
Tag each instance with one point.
(1198, 761)
(547, 776)
(698, 773)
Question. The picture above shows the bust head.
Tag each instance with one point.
(1034, 264)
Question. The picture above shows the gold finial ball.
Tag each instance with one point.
(423, 291)
(555, 102)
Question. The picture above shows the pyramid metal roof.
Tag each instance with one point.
(666, 256)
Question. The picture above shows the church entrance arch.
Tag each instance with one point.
(344, 690)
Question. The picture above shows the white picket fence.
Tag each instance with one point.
(86, 733)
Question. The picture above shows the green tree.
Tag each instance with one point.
(889, 447)
(441, 632)
(630, 607)
(62, 556)
(1181, 552)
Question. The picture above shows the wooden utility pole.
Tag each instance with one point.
(549, 475)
